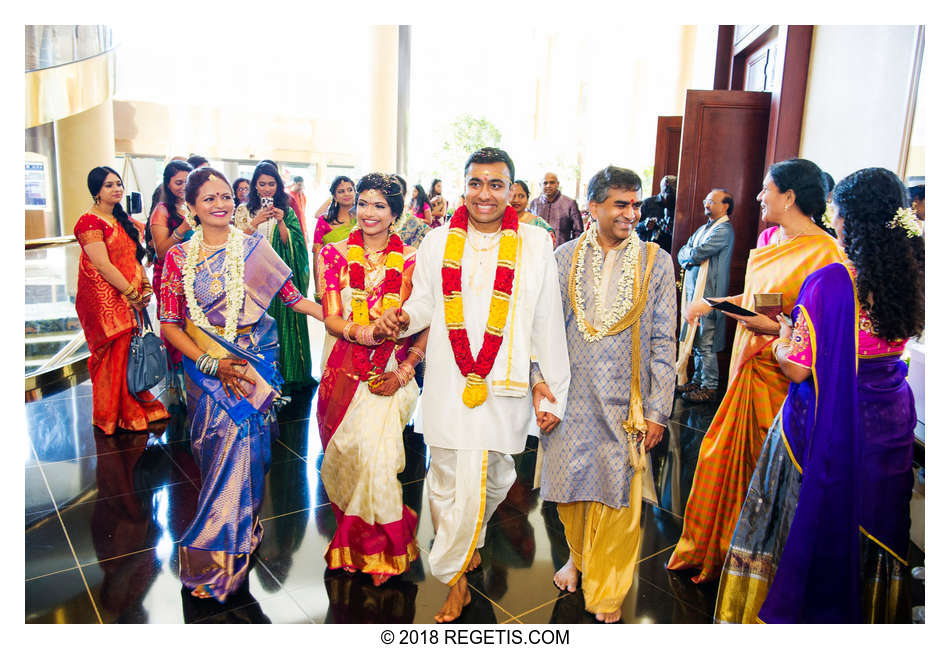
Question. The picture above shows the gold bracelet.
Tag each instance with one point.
(776, 343)
(418, 352)
(129, 291)
(346, 332)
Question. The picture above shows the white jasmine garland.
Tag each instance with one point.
(233, 281)
(630, 259)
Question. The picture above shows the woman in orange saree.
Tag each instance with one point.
(792, 196)
(111, 283)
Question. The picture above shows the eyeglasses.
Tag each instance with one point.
(709, 201)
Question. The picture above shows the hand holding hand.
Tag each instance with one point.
(546, 420)
(653, 437)
(392, 322)
(231, 373)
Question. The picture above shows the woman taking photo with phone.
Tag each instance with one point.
(268, 213)
(111, 286)
(214, 292)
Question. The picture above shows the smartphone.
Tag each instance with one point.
(267, 202)
(133, 203)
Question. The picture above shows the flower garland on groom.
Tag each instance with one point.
(486, 267)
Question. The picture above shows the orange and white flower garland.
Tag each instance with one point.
(475, 370)
(392, 282)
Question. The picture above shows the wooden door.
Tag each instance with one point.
(667, 158)
(725, 133)
(724, 140)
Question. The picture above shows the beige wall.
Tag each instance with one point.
(146, 128)
(82, 142)
(856, 99)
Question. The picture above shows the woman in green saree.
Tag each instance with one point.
(267, 211)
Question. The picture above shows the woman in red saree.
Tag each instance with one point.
(110, 285)
(367, 393)
(792, 196)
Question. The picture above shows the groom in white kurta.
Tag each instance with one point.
(471, 468)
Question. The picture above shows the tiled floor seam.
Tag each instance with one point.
(678, 599)
(490, 600)
(72, 550)
(289, 593)
(532, 610)
(540, 606)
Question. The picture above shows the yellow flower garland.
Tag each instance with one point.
(476, 389)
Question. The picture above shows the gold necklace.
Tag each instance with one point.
(491, 246)
(216, 286)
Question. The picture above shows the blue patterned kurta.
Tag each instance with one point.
(717, 248)
(585, 457)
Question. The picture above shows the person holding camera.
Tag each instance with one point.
(268, 212)
(110, 287)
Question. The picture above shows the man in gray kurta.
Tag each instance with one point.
(712, 243)
(619, 302)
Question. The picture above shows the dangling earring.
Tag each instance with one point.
(95, 200)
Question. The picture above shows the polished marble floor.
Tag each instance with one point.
(103, 515)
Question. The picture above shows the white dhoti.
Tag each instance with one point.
(465, 487)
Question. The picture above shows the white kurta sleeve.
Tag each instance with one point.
(549, 337)
(421, 301)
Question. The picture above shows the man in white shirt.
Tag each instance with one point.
(484, 275)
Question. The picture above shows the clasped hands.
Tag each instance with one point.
(546, 421)
(391, 323)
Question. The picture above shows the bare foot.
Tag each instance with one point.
(458, 598)
(379, 580)
(202, 592)
(608, 618)
(566, 577)
(475, 561)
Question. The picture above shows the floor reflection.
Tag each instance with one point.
(354, 599)
(104, 515)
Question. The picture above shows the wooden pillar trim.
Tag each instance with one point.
(724, 44)
(789, 98)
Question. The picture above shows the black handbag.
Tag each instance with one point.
(148, 360)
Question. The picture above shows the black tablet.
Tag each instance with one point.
(728, 307)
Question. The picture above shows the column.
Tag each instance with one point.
(384, 72)
(83, 141)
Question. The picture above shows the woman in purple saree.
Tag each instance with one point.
(824, 531)
(215, 292)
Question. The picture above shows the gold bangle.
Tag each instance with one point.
(418, 352)
(129, 291)
(776, 343)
